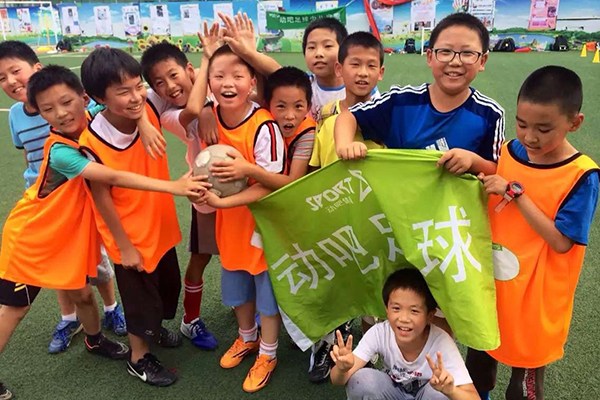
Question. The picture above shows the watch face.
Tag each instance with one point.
(516, 188)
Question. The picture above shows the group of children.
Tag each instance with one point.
(99, 166)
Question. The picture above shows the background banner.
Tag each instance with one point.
(293, 20)
(332, 238)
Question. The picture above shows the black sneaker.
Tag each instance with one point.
(169, 338)
(5, 394)
(151, 371)
(321, 364)
(107, 348)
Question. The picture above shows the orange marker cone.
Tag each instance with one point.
(596, 59)
(583, 51)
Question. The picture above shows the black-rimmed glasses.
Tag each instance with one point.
(467, 57)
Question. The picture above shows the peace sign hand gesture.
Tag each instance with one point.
(442, 380)
(342, 353)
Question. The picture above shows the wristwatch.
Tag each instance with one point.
(513, 190)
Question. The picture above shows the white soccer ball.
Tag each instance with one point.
(203, 162)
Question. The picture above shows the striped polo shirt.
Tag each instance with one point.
(29, 132)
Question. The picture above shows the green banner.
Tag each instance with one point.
(292, 20)
(332, 238)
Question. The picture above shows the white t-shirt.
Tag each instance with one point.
(112, 135)
(169, 119)
(380, 340)
(323, 95)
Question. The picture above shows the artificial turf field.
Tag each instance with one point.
(33, 374)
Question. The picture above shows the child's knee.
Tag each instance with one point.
(82, 297)
(15, 314)
(365, 384)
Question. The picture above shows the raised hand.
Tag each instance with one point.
(240, 33)
(342, 353)
(211, 39)
(442, 380)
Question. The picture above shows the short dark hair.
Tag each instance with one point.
(325, 23)
(462, 19)
(412, 279)
(226, 50)
(49, 76)
(360, 39)
(161, 52)
(18, 50)
(286, 77)
(553, 85)
(105, 67)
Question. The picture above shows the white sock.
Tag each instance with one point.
(110, 308)
(268, 349)
(249, 335)
(70, 317)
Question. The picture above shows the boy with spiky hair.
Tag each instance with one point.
(29, 131)
(543, 227)
(173, 81)
(320, 45)
(140, 231)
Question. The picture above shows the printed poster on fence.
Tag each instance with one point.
(159, 17)
(70, 20)
(24, 20)
(103, 21)
(131, 20)
(4, 20)
(261, 14)
(484, 10)
(222, 8)
(190, 18)
(334, 236)
(543, 14)
(422, 14)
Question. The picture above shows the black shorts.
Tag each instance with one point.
(17, 294)
(202, 233)
(149, 298)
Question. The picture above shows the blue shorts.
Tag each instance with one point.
(240, 287)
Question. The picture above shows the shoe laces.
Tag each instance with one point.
(262, 362)
(117, 319)
(62, 332)
(198, 328)
(322, 354)
(151, 363)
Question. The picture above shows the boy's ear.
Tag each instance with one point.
(337, 68)
(86, 99)
(381, 71)
(37, 66)
(429, 55)
(484, 58)
(191, 71)
(576, 122)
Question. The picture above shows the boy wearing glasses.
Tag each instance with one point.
(446, 115)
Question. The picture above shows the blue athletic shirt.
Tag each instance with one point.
(404, 118)
(574, 217)
(29, 132)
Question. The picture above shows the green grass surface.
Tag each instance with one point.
(33, 374)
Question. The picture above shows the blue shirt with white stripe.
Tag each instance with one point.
(29, 132)
(404, 118)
